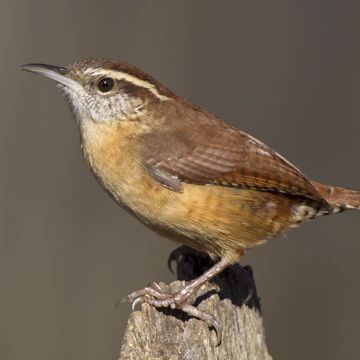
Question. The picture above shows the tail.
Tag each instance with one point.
(338, 198)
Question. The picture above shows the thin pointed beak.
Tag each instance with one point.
(57, 73)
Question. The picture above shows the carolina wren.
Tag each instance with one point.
(183, 172)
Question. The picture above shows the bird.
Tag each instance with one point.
(185, 173)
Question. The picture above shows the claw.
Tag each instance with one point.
(121, 301)
(169, 265)
(135, 302)
(174, 256)
(216, 287)
(218, 330)
(207, 318)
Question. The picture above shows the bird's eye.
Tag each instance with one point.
(105, 84)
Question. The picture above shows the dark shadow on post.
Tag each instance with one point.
(235, 283)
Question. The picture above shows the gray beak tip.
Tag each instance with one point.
(26, 67)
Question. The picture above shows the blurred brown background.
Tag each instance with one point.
(285, 71)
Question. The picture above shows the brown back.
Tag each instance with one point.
(194, 146)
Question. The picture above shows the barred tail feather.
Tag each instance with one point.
(339, 198)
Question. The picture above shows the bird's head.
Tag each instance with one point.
(104, 90)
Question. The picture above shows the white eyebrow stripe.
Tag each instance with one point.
(119, 75)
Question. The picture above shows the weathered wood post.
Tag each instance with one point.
(169, 334)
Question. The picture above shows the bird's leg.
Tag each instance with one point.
(153, 295)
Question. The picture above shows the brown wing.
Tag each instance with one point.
(212, 152)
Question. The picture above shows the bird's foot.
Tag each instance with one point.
(155, 296)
